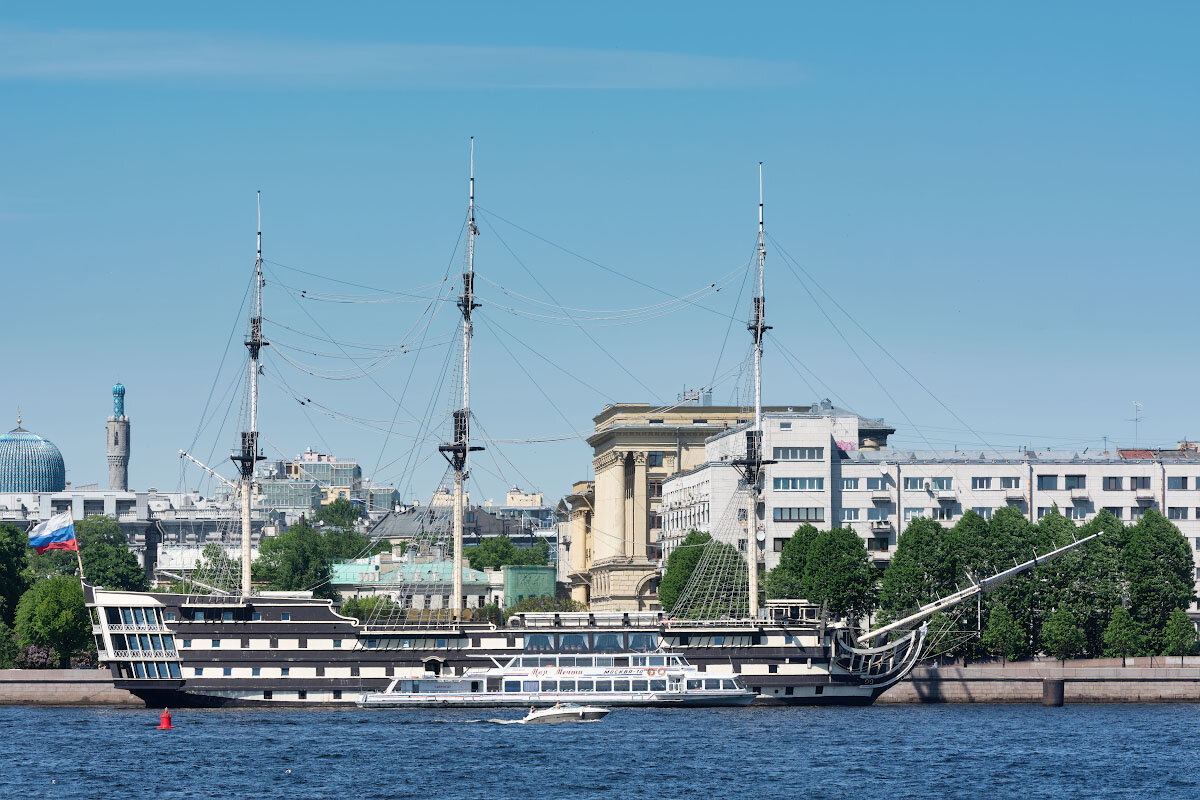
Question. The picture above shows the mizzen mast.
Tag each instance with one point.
(248, 455)
(459, 448)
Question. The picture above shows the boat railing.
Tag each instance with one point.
(155, 655)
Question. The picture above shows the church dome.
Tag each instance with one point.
(29, 463)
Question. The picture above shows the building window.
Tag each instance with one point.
(799, 453)
(1114, 484)
(799, 484)
(1136, 512)
(1076, 512)
(983, 511)
(849, 483)
(914, 484)
(849, 515)
(1177, 512)
(876, 484)
(913, 513)
(779, 544)
(1010, 483)
(943, 484)
(1176, 482)
(656, 522)
(943, 512)
(1116, 511)
(981, 483)
(1043, 511)
(1076, 482)
(877, 544)
(654, 489)
(1140, 482)
(799, 514)
(785, 426)
(875, 514)
(1047, 482)
(655, 459)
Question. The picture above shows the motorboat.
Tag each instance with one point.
(566, 712)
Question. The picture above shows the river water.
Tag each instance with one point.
(948, 751)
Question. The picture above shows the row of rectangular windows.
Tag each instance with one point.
(1044, 483)
(875, 514)
(694, 684)
(274, 642)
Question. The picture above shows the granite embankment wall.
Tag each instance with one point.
(62, 687)
(1140, 680)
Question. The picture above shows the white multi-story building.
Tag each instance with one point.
(818, 475)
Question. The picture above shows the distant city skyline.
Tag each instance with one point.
(1003, 198)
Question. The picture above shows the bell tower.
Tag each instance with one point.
(118, 443)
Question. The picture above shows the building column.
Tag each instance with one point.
(639, 533)
(609, 517)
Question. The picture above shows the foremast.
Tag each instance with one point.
(459, 448)
(248, 455)
(751, 466)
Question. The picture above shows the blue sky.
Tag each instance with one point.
(1006, 199)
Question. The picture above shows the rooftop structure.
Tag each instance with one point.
(29, 463)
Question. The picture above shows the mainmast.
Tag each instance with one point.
(457, 450)
(753, 463)
(248, 455)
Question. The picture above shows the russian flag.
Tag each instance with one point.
(56, 533)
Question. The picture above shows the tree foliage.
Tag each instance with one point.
(1179, 636)
(680, 565)
(532, 604)
(107, 561)
(299, 559)
(52, 614)
(498, 551)
(1062, 635)
(1002, 636)
(363, 608)
(341, 513)
(1121, 637)
(830, 567)
(13, 543)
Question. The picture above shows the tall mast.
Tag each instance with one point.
(753, 463)
(457, 450)
(248, 455)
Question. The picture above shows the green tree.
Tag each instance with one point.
(363, 608)
(1158, 568)
(13, 543)
(680, 565)
(104, 552)
(1121, 636)
(786, 580)
(917, 571)
(498, 551)
(52, 614)
(838, 572)
(295, 560)
(1179, 638)
(1002, 636)
(1062, 636)
(341, 513)
(9, 647)
(531, 604)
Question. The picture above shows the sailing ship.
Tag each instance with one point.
(236, 646)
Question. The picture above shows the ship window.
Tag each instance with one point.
(512, 686)
(586, 661)
(337, 642)
(712, 683)
(139, 671)
(603, 686)
(637, 661)
(139, 617)
(642, 641)
(566, 661)
(267, 694)
(216, 642)
(529, 686)
(604, 661)
(372, 644)
(538, 642)
(227, 616)
(127, 616)
(168, 642)
(198, 615)
(227, 671)
(640, 686)
(170, 616)
(255, 671)
(727, 684)
(285, 671)
(566, 686)
(337, 694)
(585, 686)
(157, 642)
(694, 684)
(620, 686)
(441, 642)
(321, 672)
(174, 669)
(187, 642)
(718, 640)
(657, 661)
(285, 616)
(572, 642)
(609, 641)
(302, 695)
(620, 661)
(820, 690)
(546, 662)
(197, 671)
(256, 617)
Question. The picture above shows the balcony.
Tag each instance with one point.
(1080, 495)
(881, 495)
(1014, 494)
(881, 526)
(1145, 495)
(945, 495)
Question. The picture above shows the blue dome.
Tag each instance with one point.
(118, 389)
(29, 463)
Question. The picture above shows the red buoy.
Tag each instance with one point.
(164, 722)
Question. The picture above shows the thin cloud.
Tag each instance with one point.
(117, 56)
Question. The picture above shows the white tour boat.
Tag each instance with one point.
(633, 679)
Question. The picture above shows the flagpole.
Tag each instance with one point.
(79, 558)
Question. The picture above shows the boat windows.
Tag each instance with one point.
(566, 661)
(620, 686)
(620, 661)
(546, 662)
(285, 672)
(139, 671)
(227, 671)
(285, 616)
(337, 694)
(658, 661)
(728, 684)
(198, 615)
(529, 686)
(139, 617)
(337, 642)
(658, 686)
(256, 617)
(695, 684)
(566, 686)
(539, 642)
(144, 640)
(643, 641)
(640, 686)
(585, 686)
(603, 686)
(227, 616)
(608, 641)
(441, 643)
(604, 661)
(512, 686)
(549, 686)
(156, 641)
(127, 616)
(583, 661)
(173, 669)
(712, 683)
(637, 661)
(572, 643)
(255, 672)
